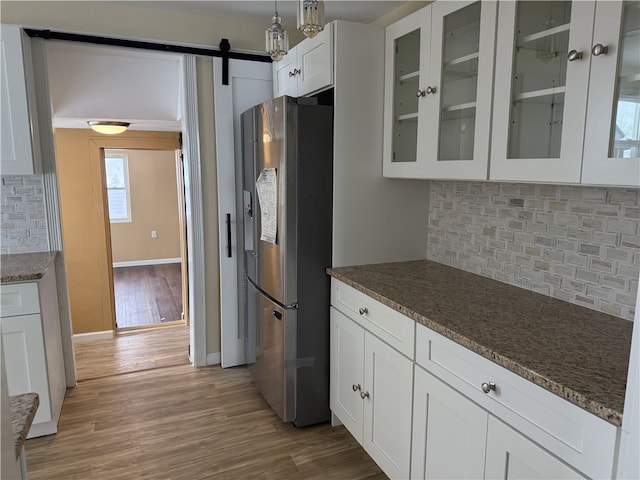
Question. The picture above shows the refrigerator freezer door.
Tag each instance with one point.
(273, 342)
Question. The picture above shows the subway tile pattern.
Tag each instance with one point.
(24, 226)
(574, 243)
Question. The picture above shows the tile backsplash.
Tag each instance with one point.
(24, 225)
(574, 243)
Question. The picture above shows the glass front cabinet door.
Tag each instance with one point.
(541, 82)
(612, 141)
(406, 64)
(439, 67)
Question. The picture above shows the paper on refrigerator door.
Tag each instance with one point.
(267, 189)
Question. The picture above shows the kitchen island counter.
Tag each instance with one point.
(579, 354)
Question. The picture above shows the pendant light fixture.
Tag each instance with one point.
(310, 17)
(277, 38)
(108, 128)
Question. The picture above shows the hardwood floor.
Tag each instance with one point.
(132, 351)
(180, 422)
(147, 294)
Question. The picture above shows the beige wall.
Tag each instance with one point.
(154, 206)
(85, 224)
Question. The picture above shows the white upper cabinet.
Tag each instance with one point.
(541, 82)
(612, 140)
(406, 68)
(16, 147)
(307, 68)
(439, 72)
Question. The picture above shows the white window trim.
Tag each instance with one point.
(127, 187)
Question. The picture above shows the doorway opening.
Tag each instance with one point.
(144, 206)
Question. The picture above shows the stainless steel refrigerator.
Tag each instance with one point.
(287, 211)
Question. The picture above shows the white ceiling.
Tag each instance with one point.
(89, 82)
(364, 11)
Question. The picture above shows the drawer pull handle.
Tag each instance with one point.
(363, 311)
(356, 387)
(364, 395)
(487, 387)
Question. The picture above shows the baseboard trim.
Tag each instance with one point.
(214, 358)
(85, 337)
(141, 263)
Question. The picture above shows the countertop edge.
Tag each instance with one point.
(610, 415)
(23, 409)
(25, 275)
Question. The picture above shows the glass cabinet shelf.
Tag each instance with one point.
(462, 106)
(463, 59)
(408, 117)
(412, 77)
(538, 93)
(545, 33)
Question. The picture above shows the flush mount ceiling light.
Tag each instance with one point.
(109, 128)
(310, 17)
(277, 39)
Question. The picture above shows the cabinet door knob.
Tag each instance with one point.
(356, 387)
(363, 310)
(431, 90)
(574, 55)
(364, 395)
(295, 72)
(599, 49)
(487, 387)
(420, 93)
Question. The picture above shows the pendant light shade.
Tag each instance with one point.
(277, 39)
(310, 17)
(109, 128)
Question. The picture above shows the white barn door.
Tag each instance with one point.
(250, 83)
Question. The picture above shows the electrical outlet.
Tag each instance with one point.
(154, 234)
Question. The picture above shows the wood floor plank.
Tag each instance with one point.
(128, 352)
(147, 294)
(179, 422)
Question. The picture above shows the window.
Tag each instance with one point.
(116, 167)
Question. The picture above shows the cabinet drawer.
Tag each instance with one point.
(19, 299)
(571, 433)
(384, 322)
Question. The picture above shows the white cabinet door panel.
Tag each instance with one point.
(387, 392)
(315, 61)
(16, 151)
(540, 97)
(347, 370)
(23, 343)
(614, 90)
(511, 456)
(449, 432)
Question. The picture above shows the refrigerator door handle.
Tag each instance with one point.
(228, 235)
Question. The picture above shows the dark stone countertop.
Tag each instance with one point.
(579, 354)
(23, 267)
(22, 408)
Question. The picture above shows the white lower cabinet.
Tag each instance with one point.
(454, 438)
(425, 407)
(371, 393)
(449, 432)
(32, 347)
(511, 455)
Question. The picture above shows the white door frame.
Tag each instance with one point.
(250, 83)
(193, 205)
